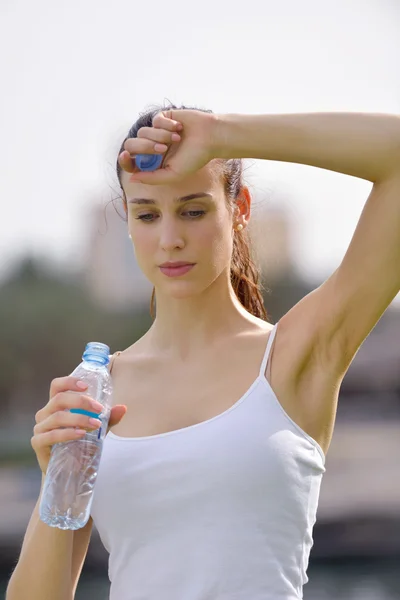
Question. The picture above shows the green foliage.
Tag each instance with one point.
(45, 323)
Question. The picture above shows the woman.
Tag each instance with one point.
(208, 487)
(222, 490)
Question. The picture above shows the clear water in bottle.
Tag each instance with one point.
(72, 471)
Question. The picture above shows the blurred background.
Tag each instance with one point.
(74, 78)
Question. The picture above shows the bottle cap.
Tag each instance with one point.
(97, 352)
(148, 162)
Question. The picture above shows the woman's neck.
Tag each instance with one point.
(187, 327)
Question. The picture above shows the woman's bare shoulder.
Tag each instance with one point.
(133, 354)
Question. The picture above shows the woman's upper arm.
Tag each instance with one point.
(80, 548)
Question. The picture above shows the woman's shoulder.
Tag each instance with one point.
(257, 327)
(138, 354)
(133, 354)
(111, 358)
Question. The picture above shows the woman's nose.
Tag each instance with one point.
(171, 236)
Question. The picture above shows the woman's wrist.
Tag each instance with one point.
(238, 136)
(224, 126)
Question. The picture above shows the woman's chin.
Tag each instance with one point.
(180, 290)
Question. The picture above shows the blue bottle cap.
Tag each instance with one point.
(148, 162)
(97, 352)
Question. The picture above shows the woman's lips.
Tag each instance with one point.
(176, 271)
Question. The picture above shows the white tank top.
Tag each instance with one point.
(220, 510)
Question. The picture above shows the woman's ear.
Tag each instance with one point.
(243, 204)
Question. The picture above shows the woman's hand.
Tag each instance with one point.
(187, 138)
(55, 423)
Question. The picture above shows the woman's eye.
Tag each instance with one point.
(143, 217)
(195, 213)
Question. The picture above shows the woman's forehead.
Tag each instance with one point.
(205, 179)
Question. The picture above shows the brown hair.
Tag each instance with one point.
(245, 276)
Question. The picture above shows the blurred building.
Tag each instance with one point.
(269, 231)
(114, 279)
(376, 366)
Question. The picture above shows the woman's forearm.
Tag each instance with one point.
(44, 567)
(359, 144)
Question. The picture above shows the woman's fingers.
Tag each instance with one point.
(164, 120)
(144, 146)
(161, 136)
(116, 414)
(126, 158)
(126, 162)
(151, 140)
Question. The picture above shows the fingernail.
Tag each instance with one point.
(81, 385)
(97, 406)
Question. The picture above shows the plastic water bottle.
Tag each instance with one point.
(148, 162)
(72, 471)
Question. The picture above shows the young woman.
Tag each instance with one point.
(210, 475)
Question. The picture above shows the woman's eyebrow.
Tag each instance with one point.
(176, 200)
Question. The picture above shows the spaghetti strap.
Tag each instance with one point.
(112, 357)
(268, 350)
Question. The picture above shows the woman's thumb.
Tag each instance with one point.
(117, 413)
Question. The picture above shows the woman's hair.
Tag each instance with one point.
(245, 276)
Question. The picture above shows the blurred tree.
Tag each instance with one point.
(282, 294)
(45, 323)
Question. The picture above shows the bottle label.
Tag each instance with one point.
(82, 411)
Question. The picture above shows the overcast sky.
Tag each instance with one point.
(75, 75)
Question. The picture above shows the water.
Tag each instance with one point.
(72, 471)
(68, 489)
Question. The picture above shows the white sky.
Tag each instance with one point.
(75, 75)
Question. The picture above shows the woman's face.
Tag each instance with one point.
(168, 224)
